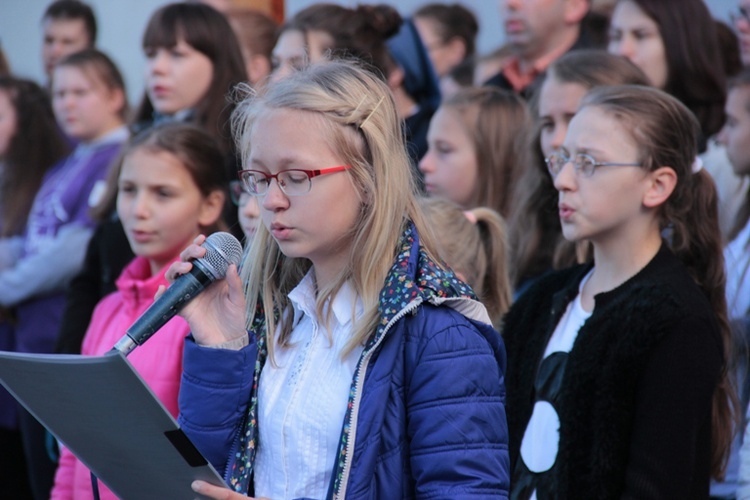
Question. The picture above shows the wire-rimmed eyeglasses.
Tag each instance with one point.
(584, 164)
(293, 182)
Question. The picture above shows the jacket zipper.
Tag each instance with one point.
(341, 493)
(234, 449)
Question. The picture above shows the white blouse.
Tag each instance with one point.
(303, 399)
(539, 445)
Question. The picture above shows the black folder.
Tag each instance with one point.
(101, 409)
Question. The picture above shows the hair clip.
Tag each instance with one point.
(354, 113)
(371, 112)
(697, 165)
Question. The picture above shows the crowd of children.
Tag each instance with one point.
(530, 284)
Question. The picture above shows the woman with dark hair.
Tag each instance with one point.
(88, 99)
(23, 162)
(675, 42)
(25, 118)
(194, 60)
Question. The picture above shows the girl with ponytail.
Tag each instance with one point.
(625, 392)
(474, 244)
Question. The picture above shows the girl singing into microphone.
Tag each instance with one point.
(349, 362)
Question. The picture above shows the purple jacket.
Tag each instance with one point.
(57, 232)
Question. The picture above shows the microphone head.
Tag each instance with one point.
(222, 249)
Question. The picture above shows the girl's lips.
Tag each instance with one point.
(565, 212)
(513, 26)
(280, 232)
(141, 236)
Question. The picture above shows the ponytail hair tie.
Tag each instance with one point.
(697, 165)
(470, 216)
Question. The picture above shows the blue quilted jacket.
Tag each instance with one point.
(426, 414)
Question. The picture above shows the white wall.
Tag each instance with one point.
(121, 23)
(120, 26)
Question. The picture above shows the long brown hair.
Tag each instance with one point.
(207, 31)
(667, 135)
(498, 123)
(536, 241)
(26, 160)
(695, 67)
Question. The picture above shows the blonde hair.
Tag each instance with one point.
(358, 116)
(473, 244)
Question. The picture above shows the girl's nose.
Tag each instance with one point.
(558, 136)
(157, 63)
(275, 199)
(624, 47)
(565, 180)
(141, 207)
(427, 164)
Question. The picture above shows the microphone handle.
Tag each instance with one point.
(174, 298)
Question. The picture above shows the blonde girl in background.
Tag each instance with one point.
(473, 243)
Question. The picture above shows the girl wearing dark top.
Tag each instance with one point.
(617, 380)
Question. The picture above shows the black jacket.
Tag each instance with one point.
(635, 402)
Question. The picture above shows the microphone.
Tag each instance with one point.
(223, 249)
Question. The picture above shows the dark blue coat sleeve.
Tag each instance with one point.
(214, 395)
(457, 426)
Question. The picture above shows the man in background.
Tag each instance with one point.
(69, 26)
(537, 33)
